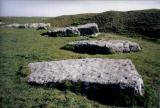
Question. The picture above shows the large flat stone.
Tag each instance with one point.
(103, 46)
(119, 74)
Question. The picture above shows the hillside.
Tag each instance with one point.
(146, 22)
(143, 22)
(22, 46)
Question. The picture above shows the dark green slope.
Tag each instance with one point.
(143, 22)
(146, 22)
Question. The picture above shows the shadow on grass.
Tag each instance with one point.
(44, 34)
(90, 49)
(58, 35)
(87, 49)
(111, 94)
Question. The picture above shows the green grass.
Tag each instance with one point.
(18, 47)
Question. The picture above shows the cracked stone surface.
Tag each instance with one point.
(103, 46)
(115, 72)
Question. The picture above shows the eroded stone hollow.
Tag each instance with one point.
(114, 74)
(102, 46)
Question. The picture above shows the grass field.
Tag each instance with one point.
(18, 47)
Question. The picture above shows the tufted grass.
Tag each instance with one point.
(18, 47)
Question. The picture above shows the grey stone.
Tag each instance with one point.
(2, 23)
(14, 25)
(83, 30)
(102, 46)
(119, 74)
(88, 29)
(39, 25)
(30, 25)
(67, 31)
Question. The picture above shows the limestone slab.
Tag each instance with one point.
(103, 46)
(120, 73)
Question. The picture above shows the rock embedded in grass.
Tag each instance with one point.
(119, 75)
(102, 46)
(88, 29)
(30, 25)
(83, 30)
(67, 31)
(2, 23)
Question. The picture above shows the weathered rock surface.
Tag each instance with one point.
(68, 31)
(88, 29)
(83, 30)
(117, 74)
(101, 46)
(30, 25)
